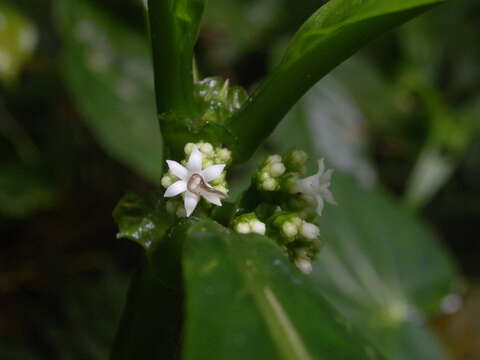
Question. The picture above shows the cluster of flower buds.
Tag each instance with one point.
(279, 173)
(300, 239)
(270, 175)
(296, 203)
(249, 223)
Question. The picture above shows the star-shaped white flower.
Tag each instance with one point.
(317, 186)
(193, 182)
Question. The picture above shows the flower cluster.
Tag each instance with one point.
(288, 204)
(201, 176)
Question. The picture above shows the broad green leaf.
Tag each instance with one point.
(383, 270)
(174, 26)
(246, 301)
(18, 39)
(331, 35)
(108, 71)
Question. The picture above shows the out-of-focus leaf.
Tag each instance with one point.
(336, 123)
(432, 170)
(143, 221)
(246, 301)
(23, 191)
(383, 270)
(18, 38)
(108, 70)
(332, 34)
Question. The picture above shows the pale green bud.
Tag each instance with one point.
(309, 231)
(189, 148)
(242, 228)
(224, 155)
(304, 265)
(289, 229)
(274, 159)
(277, 169)
(206, 148)
(167, 180)
(269, 184)
(258, 227)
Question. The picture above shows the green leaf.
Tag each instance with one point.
(383, 270)
(108, 71)
(331, 35)
(246, 301)
(18, 39)
(174, 26)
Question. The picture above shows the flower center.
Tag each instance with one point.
(197, 185)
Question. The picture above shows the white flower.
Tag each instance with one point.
(317, 186)
(194, 180)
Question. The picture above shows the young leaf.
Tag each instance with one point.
(246, 301)
(332, 34)
(107, 69)
(174, 26)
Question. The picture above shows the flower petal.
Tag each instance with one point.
(327, 194)
(320, 204)
(321, 166)
(212, 172)
(212, 198)
(195, 160)
(190, 201)
(177, 169)
(176, 188)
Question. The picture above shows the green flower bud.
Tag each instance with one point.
(189, 148)
(289, 229)
(166, 180)
(309, 231)
(277, 169)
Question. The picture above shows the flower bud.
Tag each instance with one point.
(242, 228)
(189, 148)
(309, 231)
(277, 169)
(258, 227)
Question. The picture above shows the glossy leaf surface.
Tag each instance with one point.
(331, 35)
(107, 69)
(245, 301)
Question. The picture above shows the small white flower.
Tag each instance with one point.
(194, 180)
(317, 186)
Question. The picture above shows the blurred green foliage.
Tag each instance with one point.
(71, 135)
